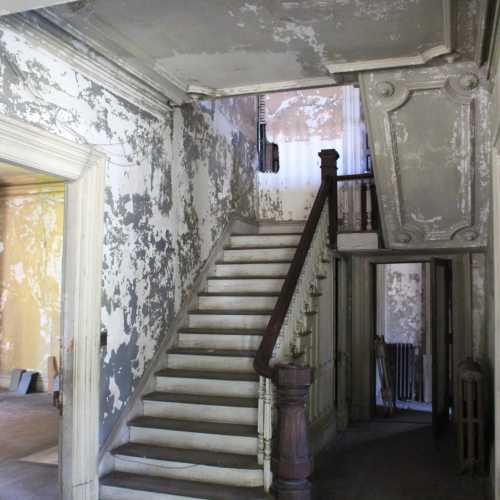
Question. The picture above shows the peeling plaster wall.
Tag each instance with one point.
(403, 304)
(302, 123)
(172, 186)
(31, 240)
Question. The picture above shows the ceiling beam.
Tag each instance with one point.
(13, 6)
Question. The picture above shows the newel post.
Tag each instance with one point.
(329, 159)
(292, 463)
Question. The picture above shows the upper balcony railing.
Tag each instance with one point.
(357, 209)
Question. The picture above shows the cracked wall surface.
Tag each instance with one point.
(172, 186)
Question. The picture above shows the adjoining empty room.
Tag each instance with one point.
(31, 249)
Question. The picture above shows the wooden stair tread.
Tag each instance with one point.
(259, 262)
(199, 456)
(168, 397)
(267, 234)
(253, 247)
(238, 294)
(205, 351)
(208, 375)
(253, 277)
(233, 312)
(199, 427)
(210, 491)
(221, 331)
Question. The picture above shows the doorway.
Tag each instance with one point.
(414, 338)
(31, 251)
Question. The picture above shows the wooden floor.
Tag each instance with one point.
(393, 459)
(28, 425)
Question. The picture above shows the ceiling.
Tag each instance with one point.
(17, 176)
(229, 47)
(12, 6)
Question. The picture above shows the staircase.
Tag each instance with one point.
(197, 438)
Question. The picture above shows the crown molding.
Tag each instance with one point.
(262, 88)
(110, 72)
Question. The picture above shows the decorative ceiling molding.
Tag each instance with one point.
(431, 175)
(262, 88)
(138, 89)
(454, 91)
(444, 48)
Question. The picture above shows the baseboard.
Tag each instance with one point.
(120, 433)
(322, 432)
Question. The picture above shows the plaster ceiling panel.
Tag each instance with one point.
(426, 127)
(228, 44)
(12, 6)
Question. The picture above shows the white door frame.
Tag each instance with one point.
(495, 167)
(82, 168)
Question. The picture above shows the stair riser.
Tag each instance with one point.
(245, 285)
(195, 412)
(258, 254)
(206, 386)
(260, 269)
(241, 445)
(181, 470)
(210, 363)
(281, 228)
(113, 493)
(209, 341)
(258, 321)
(231, 303)
(264, 240)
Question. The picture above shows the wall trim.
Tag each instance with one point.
(115, 75)
(120, 433)
(83, 168)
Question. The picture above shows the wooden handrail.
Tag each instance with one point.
(327, 191)
(354, 177)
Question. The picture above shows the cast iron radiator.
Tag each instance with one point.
(405, 373)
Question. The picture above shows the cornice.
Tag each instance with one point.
(111, 73)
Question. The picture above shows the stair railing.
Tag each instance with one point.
(357, 203)
(283, 382)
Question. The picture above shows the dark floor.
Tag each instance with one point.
(28, 424)
(393, 459)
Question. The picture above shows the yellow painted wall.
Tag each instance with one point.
(31, 242)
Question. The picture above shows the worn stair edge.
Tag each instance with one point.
(193, 426)
(251, 262)
(208, 375)
(188, 456)
(239, 294)
(195, 399)
(233, 312)
(205, 351)
(208, 491)
(220, 331)
(254, 277)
